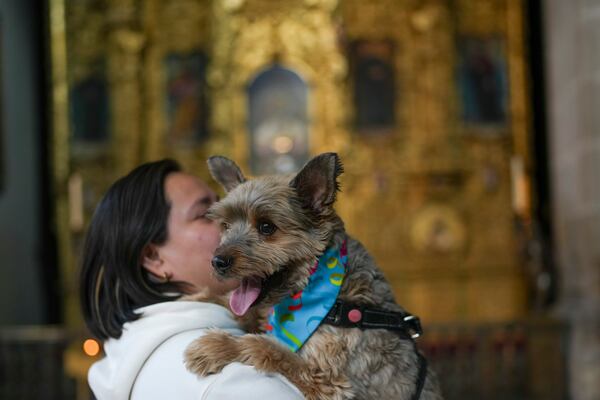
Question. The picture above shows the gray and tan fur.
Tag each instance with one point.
(335, 363)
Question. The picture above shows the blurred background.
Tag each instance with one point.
(469, 130)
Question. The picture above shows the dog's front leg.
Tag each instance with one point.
(212, 352)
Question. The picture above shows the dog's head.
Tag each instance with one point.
(273, 228)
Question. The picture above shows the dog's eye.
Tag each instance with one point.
(266, 228)
(224, 226)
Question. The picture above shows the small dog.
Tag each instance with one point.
(274, 229)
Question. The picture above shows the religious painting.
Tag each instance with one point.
(89, 106)
(186, 98)
(373, 79)
(278, 121)
(483, 82)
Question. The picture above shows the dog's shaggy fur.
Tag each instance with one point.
(335, 363)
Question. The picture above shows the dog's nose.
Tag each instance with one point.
(222, 263)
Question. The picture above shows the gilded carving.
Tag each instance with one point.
(438, 228)
(398, 186)
(298, 37)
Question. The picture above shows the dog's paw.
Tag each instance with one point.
(323, 386)
(210, 353)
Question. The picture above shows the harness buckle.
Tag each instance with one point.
(414, 324)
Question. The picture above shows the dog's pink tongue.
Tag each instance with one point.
(244, 296)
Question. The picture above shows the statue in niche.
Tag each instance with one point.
(187, 105)
(482, 80)
(372, 63)
(278, 121)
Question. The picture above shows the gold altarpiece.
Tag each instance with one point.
(434, 197)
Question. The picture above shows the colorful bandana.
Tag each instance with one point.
(296, 317)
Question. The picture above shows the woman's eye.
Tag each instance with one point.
(266, 228)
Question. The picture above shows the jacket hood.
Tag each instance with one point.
(113, 376)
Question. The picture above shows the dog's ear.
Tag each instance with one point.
(317, 183)
(226, 172)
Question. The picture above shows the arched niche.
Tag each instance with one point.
(277, 121)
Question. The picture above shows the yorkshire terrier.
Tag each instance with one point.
(329, 321)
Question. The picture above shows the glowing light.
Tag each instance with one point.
(283, 144)
(91, 347)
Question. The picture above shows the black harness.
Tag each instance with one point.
(408, 326)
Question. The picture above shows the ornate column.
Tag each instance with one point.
(124, 59)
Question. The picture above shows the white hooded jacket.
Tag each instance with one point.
(146, 362)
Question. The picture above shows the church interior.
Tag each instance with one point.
(469, 132)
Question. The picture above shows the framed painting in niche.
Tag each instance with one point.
(186, 97)
(89, 107)
(373, 81)
(482, 75)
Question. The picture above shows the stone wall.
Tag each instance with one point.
(572, 34)
(21, 285)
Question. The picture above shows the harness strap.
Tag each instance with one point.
(408, 326)
(422, 375)
(348, 315)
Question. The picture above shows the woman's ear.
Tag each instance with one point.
(151, 260)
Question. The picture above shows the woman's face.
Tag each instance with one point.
(192, 238)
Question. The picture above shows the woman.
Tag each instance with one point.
(150, 242)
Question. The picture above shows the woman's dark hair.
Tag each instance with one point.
(132, 214)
